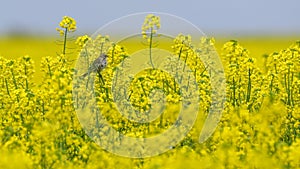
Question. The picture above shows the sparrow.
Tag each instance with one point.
(97, 66)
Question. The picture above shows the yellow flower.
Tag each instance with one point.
(151, 25)
(82, 40)
(61, 32)
(67, 24)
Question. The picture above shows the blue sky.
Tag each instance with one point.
(212, 16)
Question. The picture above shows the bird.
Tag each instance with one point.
(97, 66)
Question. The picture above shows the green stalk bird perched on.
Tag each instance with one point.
(97, 66)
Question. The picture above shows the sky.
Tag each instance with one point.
(231, 17)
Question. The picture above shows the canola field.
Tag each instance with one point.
(39, 127)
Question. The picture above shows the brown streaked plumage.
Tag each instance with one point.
(98, 65)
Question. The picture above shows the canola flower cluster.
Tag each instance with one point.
(259, 128)
(151, 25)
(67, 24)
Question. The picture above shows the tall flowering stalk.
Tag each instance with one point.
(244, 79)
(284, 74)
(149, 29)
(81, 41)
(67, 25)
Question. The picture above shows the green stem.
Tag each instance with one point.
(271, 89)
(289, 87)
(65, 41)
(249, 86)
(144, 91)
(49, 68)
(180, 51)
(27, 85)
(161, 120)
(292, 91)
(150, 47)
(185, 61)
(113, 53)
(188, 83)
(14, 79)
(87, 58)
(233, 83)
(7, 89)
(286, 87)
(239, 100)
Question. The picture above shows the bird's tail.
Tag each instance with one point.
(84, 75)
